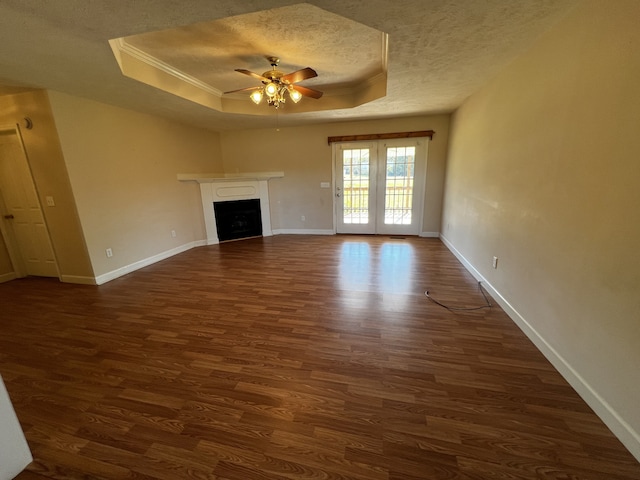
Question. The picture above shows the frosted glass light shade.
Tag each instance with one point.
(256, 96)
(295, 95)
(271, 89)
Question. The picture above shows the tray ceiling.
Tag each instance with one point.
(197, 62)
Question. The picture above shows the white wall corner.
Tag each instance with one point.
(14, 450)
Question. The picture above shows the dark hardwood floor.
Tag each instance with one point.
(291, 357)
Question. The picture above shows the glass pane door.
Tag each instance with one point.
(400, 171)
(355, 164)
(379, 187)
(355, 189)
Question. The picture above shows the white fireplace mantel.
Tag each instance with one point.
(228, 177)
(228, 187)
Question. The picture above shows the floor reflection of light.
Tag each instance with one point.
(396, 267)
(355, 266)
(383, 276)
(355, 274)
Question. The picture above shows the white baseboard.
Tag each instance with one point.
(78, 279)
(119, 272)
(620, 428)
(6, 277)
(302, 231)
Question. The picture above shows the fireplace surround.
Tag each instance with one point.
(224, 188)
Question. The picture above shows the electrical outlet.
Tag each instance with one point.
(50, 201)
(173, 233)
(495, 262)
(303, 218)
(109, 252)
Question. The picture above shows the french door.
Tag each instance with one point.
(380, 186)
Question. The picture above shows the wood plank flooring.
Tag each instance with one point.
(291, 357)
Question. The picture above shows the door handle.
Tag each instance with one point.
(337, 194)
(9, 217)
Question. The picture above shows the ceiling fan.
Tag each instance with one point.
(275, 83)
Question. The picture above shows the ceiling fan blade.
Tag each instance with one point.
(298, 76)
(307, 92)
(248, 89)
(254, 75)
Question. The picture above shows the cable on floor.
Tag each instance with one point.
(461, 309)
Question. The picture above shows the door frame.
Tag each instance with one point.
(15, 256)
(420, 178)
(373, 147)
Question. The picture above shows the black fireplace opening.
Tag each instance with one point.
(238, 219)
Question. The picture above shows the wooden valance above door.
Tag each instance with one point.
(380, 136)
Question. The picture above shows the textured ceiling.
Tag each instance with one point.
(439, 51)
(335, 46)
(198, 61)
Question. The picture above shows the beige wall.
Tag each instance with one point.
(544, 172)
(6, 267)
(51, 179)
(305, 157)
(123, 168)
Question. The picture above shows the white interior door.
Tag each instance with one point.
(24, 226)
(380, 186)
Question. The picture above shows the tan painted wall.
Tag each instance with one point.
(5, 261)
(123, 167)
(51, 179)
(544, 172)
(305, 157)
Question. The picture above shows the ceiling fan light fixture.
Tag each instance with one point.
(256, 96)
(276, 85)
(294, 94)
(271, 89)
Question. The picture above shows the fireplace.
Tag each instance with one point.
(216, 188)
(238, 219)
